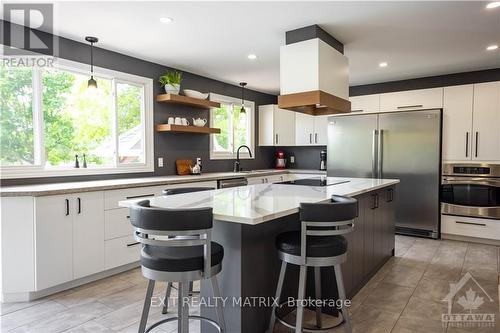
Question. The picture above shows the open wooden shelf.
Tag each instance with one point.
(178, 99)
(186, 129)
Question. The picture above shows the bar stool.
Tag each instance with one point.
(318, 244)
(181, 260)
(173, 191)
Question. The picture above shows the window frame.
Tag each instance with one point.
(250, 109)
(38, 169)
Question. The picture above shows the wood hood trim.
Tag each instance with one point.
(307, 102)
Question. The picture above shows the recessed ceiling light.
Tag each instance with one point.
(252, 56)
(383, 64)
(492, 5)
(492, 47)
(166, 20)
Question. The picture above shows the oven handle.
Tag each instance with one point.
(471, 181)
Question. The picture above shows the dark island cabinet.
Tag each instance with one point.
(371, 243)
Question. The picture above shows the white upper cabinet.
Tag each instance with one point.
(412, 100)
(320, 130)
(276, 126)
(310, 130)
(304, 129)
(457, 123)
(486, 122)
(366, 103)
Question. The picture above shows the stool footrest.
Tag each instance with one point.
(163, 321)
(308, 330)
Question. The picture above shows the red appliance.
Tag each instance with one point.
(280, 160)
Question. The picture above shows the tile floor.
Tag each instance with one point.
(404, 296)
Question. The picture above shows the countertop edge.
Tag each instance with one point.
(92, 187)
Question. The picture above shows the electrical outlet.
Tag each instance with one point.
(160, 162)
(292, 159)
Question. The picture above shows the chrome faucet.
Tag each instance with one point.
(236, 167)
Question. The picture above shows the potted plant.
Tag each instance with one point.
(171, 80)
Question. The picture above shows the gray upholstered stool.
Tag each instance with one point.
(173, 191)
(318, 244)
(164, 257)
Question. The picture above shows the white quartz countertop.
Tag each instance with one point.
(113, 184)
(254, 204)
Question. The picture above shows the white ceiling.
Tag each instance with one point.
(214, 38)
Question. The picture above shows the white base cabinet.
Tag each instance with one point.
(69, 237)
(470, 227)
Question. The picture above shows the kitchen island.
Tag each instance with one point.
(247, 220)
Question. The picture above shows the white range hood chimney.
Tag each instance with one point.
(314, 74)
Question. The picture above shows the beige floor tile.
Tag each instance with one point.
(31, 314)
(94, 292)
(443, 272)
(370, 319)
(89, 327)
(388, 297)
(405, 276)
(418, 325)
(424, 309)
(66, 319)
(432, 289)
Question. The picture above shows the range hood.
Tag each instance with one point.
(314, 76)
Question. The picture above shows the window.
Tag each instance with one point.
(48, 117)
(237, 128)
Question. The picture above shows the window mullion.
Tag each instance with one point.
(114, 120)
(230, 127)
(38, 119)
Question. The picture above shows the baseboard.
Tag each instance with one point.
(471, 239)
(32, 295)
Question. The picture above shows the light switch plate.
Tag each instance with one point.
(292, 159)
(160, 162)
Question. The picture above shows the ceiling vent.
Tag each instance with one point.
(314, 73)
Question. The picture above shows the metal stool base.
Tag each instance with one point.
(307, 330)
(200, 318)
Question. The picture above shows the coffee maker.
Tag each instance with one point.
(322, 160)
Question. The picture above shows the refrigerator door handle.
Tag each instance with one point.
(380, 151)
(374, 153)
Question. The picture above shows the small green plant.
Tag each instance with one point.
(172, 78)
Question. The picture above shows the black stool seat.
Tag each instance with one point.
(178, 259)
(317, 246)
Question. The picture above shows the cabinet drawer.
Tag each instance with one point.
(117, 223)
(470, 227)
(412, 100)
(121, 251)
(111, 198)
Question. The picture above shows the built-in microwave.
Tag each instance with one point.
(471, 190)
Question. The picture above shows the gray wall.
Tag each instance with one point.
(170, 146)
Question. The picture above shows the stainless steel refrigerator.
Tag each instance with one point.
(402, 145)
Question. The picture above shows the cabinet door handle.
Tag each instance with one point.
(374, 201)
(79, 205)
(477, 139)
(67, 206)
(470, 223)
(140, 196)
(310, 138)
(410, 106)
(276, 138)
(390, 192)
(133, 244)
(466, 144)
(315, 137)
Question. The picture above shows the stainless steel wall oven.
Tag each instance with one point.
(471, 190)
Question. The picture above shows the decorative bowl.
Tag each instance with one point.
(195, 94)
